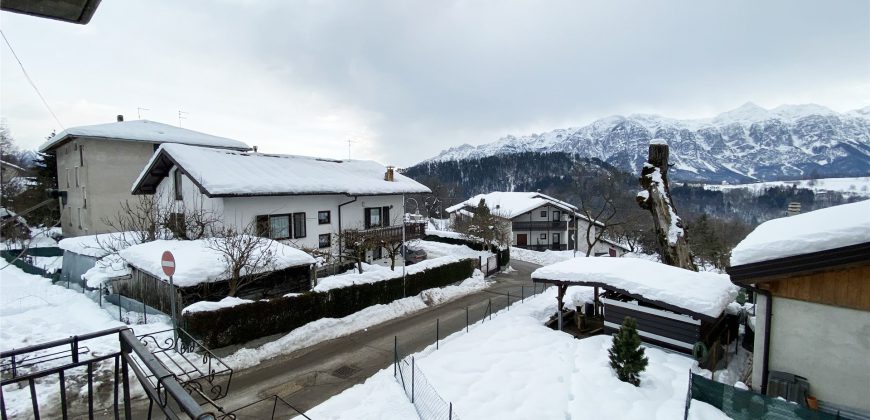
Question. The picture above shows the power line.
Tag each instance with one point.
(27, 76)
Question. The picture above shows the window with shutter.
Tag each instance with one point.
(298, 225)
(385, 220)
(262, 226)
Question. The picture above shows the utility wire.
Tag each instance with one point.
(44, 102)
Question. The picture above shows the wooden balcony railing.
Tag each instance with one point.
(542, 225)
(413, 230)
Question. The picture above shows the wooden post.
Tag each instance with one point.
(656, 197)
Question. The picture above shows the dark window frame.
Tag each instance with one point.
(367, 216)
(320, 242)
(299, 216)
(177, 184)
(320, 220)
(543, 237)
(557, 238)
(289, 217)
(543, 213)
(557, 215)
(81, 156)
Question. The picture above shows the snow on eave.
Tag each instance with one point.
(497, 197)
(11, 165)
(815, 231)
(701, 294)
(226, 173)
(143, 130)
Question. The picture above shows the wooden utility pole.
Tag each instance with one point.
(656, 197)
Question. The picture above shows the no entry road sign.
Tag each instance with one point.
(168, 263)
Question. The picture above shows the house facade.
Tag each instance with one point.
(309, 203)
(811, 276)
(540, 222)
(96, 165)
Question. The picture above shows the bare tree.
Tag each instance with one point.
(142, 216)
(599, 205)
(355, 243)
(247, 257)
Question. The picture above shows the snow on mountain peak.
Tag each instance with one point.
(746, 114)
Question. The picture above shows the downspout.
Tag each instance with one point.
(340, 232)
(768, 312)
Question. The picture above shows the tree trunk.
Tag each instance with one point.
(656, 197)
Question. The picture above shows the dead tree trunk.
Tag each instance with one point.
(656, 197)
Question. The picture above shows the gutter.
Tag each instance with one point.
(339, 224)
(768, 312)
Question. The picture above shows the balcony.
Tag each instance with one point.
(542, 225)
(413, 230)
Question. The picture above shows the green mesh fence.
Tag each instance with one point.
(747, 405)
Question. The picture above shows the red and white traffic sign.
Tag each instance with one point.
(168, 263)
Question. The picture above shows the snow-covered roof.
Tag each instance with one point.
(512, 204)
(233, 173)
(143, 130)
(11, 165)
(100, 245)
(196, 262)
(819, 230)
(698, 293)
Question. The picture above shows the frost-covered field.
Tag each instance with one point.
(516, 368)
(859, 186)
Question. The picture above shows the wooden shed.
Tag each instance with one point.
(674, 308)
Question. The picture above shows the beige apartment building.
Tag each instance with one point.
(97, 165)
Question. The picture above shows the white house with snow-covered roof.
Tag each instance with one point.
(97, 163)
(811, 276)
(539, 221)
(303, 201)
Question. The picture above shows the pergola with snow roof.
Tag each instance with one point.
(674, 308)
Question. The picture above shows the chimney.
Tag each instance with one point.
(389, 175)
(120, 118)
(255, 149)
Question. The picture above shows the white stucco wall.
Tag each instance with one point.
(758, 345)
(828, 345)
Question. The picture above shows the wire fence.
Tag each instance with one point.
(427, 401)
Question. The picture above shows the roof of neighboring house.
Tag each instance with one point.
(701, 294)
(143, 130)
(226, 173)
(820, 230)
(99, 245)
(512, 204)
(11, 165)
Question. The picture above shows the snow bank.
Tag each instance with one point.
(196, 262)
(819, 230)
(106, 268)
(144, 130)
(440, 249)
(512, 204)
(704, 293)
(99, 246)
(543, 257)
(329, 328)
(513, 367)
(205, 306)
(230, 172)
(445, 233)
(376, 273)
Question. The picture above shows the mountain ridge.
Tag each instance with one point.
(745, 144)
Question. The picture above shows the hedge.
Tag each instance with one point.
(242, 323)
(504, 255)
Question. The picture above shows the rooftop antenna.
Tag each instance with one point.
(139, 111)
(348, 147)
(181, 116)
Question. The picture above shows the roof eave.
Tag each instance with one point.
(814, 262)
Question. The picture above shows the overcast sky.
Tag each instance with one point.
(405, 79)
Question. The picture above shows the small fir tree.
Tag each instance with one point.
(626, 355)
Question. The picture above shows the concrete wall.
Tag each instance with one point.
(828, 345)
(97, 179)
(760, 330)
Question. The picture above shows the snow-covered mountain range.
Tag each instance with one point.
(742, 145)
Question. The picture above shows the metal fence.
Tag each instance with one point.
(428, 403)
(740, 404)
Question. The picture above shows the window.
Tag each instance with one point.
(177, 225)
(298, 225)
(177, 184)
(377, 253)
(557, 215)
(324, 241)
(543, 213)
(80, 218)
(372, 217)
(84, 197)
(77, 176)
(68, 177)
(81, 155)
(279, 226)
(323, 218)
(557, 238)
(543, 236)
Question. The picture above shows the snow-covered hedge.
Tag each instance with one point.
(504, 255)
(247, 321)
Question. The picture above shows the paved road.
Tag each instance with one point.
(307, 377)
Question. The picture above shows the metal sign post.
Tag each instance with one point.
(167, 261)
